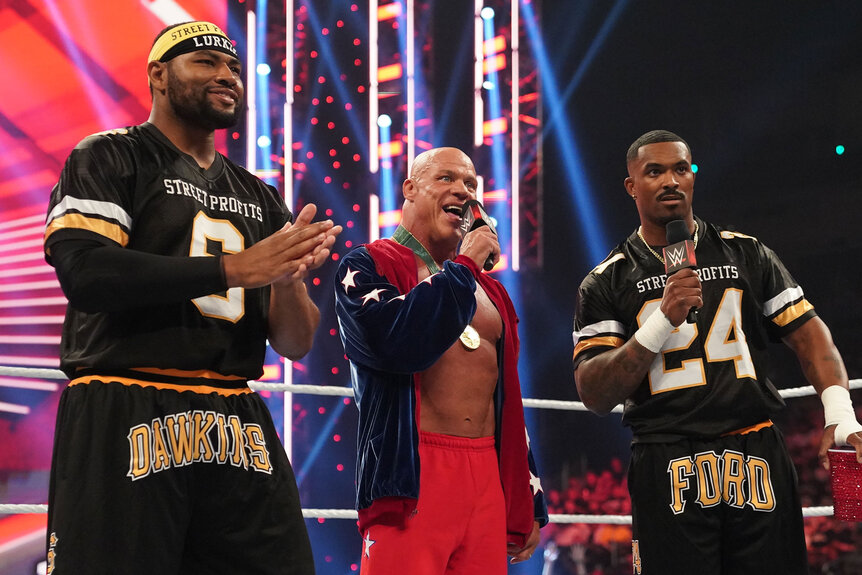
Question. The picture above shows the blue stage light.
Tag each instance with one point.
(584, 210)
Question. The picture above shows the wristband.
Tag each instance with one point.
(838, 410)
(655, 331)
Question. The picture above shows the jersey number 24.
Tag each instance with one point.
(725, 341)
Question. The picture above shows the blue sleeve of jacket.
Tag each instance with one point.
(403, 333)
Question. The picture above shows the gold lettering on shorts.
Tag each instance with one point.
(180, 439)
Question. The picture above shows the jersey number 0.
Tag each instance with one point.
(206, 232)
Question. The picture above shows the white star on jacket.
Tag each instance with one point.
(372, 295)
(535, 483)
(348, 282)
(368, 543)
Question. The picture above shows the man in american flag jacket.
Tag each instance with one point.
(433, 349)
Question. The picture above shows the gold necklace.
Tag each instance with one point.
(655, 253)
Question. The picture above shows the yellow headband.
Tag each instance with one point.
(188, 38)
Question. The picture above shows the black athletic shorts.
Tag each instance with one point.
(725, 506)
(164, 479)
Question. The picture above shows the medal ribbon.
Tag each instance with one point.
(406, 239)
(469, 337)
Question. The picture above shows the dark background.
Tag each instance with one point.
(762, 92)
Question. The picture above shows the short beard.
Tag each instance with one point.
(196, 110)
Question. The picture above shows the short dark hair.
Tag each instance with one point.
(653, 137)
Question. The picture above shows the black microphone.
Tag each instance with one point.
(473, 216)
(679, 254)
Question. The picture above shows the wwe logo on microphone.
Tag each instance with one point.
(678, 256)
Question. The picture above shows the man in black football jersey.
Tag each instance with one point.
(713, 488)
(178, 265)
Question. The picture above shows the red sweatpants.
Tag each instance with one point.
(460, 522)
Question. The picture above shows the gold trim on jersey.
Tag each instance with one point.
(750, 428)
(604, 341)
(201, 373)
(791, 313)
(202, 389)
(728, 235)
(604, 265)
(81, 222)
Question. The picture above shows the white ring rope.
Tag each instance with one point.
(825, 511)
(38, 373)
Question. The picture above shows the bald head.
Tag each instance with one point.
(440, 180)
(426, 158)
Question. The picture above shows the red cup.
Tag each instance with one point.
(846, 475)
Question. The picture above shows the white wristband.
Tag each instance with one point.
(838, 410)
(655, 331)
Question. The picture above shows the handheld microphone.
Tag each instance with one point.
(679, 254)
(473, 216)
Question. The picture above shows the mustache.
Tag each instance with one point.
(671, 194)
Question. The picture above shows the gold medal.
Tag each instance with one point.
(470, 337)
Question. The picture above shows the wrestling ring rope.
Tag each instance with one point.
(40, 373)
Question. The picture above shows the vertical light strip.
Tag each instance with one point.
(250, 92)
(516, 138)
(289, 54)
(373, 217)
(411, 83)
(373, 103)
(478, 75)
(287, 375)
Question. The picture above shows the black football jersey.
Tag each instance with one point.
(133, 188)
(709, 377)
